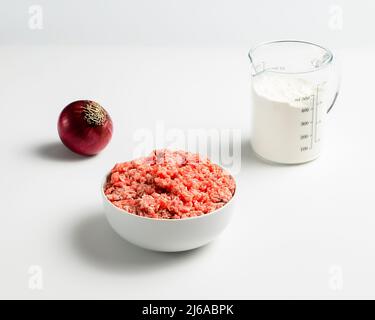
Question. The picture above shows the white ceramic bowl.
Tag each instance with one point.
(164, 234)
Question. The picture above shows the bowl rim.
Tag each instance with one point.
(122, 211)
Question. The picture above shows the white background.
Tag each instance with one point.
(302, 231)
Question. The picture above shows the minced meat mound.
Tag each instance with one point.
(169, 185)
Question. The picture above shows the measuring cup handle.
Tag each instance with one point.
(337, 91)
(333, 101)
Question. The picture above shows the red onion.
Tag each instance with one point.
(85, 127)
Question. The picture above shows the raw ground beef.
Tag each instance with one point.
(169, 185)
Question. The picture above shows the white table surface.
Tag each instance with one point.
(302, 231)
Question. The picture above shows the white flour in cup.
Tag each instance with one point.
(287, 118)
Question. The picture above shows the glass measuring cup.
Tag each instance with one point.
(294, 85)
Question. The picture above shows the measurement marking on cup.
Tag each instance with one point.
(316, 116)
(306, 123)
(312, 120)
